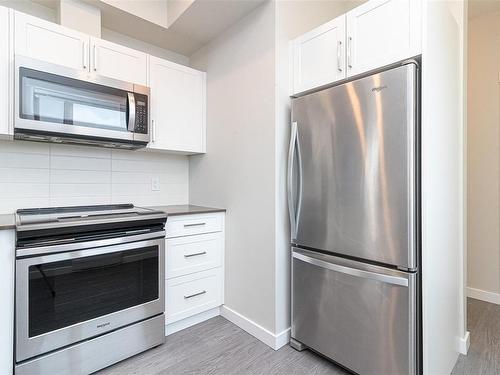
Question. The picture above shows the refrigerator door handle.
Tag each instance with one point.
(291, 160)
(389, 279)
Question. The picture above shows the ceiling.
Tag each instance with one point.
(201, 22)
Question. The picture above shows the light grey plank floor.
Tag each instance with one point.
(483, 358)
(218, 347)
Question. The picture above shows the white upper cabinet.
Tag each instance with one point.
(319, 56)
(5, 128)
(44, 40)
(177, 107)
(119, 62)
(381, 32)
(376, 33)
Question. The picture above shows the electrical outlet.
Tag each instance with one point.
(155, 183)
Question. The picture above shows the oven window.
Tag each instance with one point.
(72, 291)
(60, 100)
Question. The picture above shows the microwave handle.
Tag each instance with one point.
(131, 112)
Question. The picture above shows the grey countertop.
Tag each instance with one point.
(187, 209)
(7, 221)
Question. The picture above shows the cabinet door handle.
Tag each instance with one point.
(84, 55)
(193, 225)
(349, 52)
(195, 295)
(153, 131)
(339, 56)
(95, 58)
(194, 254)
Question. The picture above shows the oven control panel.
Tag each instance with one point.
(141, 114)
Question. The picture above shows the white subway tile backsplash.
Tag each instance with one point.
(79, 201)
(79, 190)
(23, 160)
(40, 175)
(24, 175)
(67, 176)
(79, 163)
(21, 190)
(145, 178)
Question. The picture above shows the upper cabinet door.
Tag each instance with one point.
(118, 62)
(49, 42)
(177, 107)
(319, 56)
(5, 128)
(382, 32)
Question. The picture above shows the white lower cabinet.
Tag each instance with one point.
(194, 269)
(192, 294)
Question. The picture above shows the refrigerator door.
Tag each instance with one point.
(360, 316)
(352, 183)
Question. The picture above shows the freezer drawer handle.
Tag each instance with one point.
(353, 271)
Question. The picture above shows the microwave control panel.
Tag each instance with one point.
(141, 114)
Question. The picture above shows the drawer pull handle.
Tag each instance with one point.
(195, 254)
(195, 295)
(194, 225)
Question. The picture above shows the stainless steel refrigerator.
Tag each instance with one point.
(353, 194)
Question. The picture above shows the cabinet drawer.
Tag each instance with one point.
(186, 255)
(178, 226)
(193, 294)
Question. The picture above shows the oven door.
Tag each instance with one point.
(62, 102)
(67, 297)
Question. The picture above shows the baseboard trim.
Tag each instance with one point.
(191, 321)
(483, 295)
(463, 343)
(275, 341)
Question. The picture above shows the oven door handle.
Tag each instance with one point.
(131, 111)
(83, 249)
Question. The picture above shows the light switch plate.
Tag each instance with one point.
(155, 183)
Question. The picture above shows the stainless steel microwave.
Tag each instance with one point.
(59, 104)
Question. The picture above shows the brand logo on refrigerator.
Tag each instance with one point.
(378, 88)
(103, 325)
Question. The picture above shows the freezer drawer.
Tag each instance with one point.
(361, 316)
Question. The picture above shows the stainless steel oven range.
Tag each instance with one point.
(89, 287)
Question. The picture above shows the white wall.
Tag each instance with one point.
(442, 153)
(31, 8)
(154, 11)
(113, 36)
(484, 153)
(42, 174)
(80, 16)
(238, 170)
